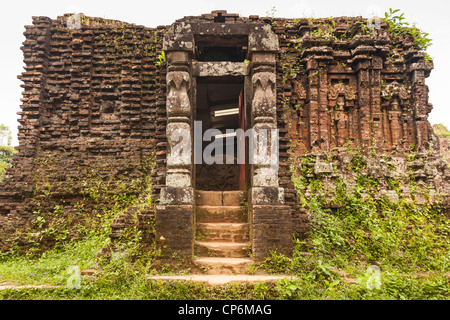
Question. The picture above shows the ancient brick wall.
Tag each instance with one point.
(345, 90)
(88, 119)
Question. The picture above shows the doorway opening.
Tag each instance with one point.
(220, 106)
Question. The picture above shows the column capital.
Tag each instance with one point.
(179, 38)
(262, 38)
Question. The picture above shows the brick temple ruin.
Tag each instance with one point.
(101, 100)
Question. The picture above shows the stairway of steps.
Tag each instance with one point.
(222, 233)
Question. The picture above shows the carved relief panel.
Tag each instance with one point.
(396, 114)
(343, 115)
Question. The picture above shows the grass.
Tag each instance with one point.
(347, 239)
(441, 130)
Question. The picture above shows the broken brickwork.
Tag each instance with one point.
(94, 108)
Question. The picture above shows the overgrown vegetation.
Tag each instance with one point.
(408, 242)
(398, 26)
(399, 236)
(6, 155)
(441, 130)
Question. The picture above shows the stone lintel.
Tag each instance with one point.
(226, 29)
(219, 69)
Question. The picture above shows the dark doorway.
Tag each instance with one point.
(219, 105)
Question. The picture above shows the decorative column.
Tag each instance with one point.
(375, 100)
(361, 64)
(175, 214)
(265, 164)
(271, 219)
(317, 60)
(312, 69)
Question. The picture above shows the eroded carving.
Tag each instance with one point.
(264, 97)
(178, 84)
(340, 89)
(341, 100)
(299, 91)
(395, 89)
(395, 124)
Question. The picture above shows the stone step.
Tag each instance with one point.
(222, 279)
(222, 232)
(204, 198)
(222, 249)
(218, 214)
(234, 198)
(220, 198)
(214, 265)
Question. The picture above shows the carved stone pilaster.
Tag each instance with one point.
(361, 64)
(179, 151)
(175, 214)
(265, 184)
(271, 218)
(178, 189)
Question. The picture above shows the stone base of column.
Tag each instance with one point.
(175, 195)
(272, 229)
(174, 230)
(267, 195)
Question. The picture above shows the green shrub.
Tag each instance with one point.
(398, 26)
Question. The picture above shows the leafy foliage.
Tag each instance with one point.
(360, 229)
(161, 58)
(398, 26)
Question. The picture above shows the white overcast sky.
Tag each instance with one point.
(431, 16)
